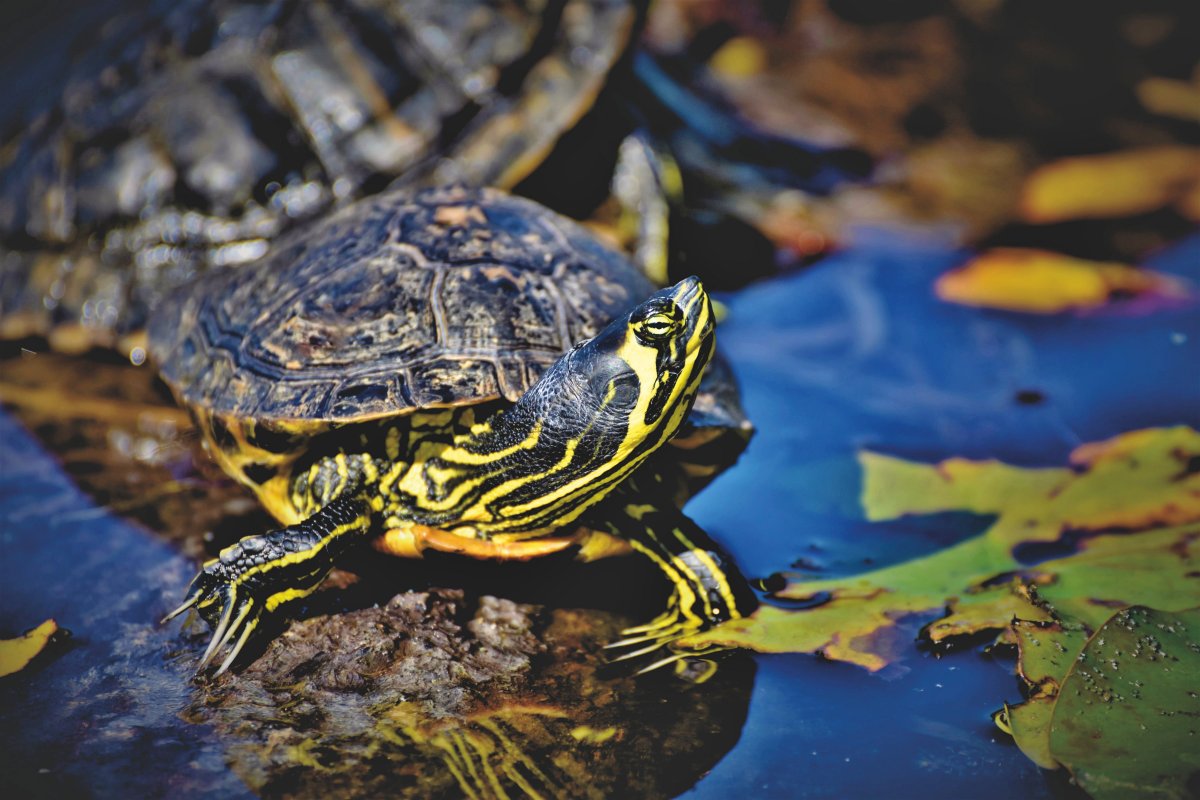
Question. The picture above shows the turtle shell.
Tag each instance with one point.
(440, 297)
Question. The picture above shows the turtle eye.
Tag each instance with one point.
(657, 323)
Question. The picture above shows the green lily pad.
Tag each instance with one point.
(1127, 719)
(1124, 509)
(1029, 725)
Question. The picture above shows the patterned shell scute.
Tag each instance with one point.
(441, 297)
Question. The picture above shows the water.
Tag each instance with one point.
(859, 353)
(101, 717)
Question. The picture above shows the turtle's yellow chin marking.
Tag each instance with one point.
(668, 350)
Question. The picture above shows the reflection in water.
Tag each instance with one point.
(426, 696)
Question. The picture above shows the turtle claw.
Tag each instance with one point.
(653, 637)
(652, 648)
(186, 605)
(659, 638)
(257, 574)
(239, 617)
(222, 630)
(227, 605)
(200, 586)
(245, 621)
(237, 647)
(654, 628)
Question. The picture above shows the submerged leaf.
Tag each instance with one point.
(15, 654)
(1110, 185)
(1122, 516)
(1043, 282)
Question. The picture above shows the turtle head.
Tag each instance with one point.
(634, 382)
(592, 418)
(656, 356)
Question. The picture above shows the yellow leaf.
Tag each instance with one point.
(740, 57)
(978, 611)
(1171, 98)
(1109, 185)
(15, 654)
(1042, 282)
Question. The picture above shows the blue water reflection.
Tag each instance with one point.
(101, 718)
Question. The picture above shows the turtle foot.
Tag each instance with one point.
(260, 573)
(225, 597)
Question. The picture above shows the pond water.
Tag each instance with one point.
(854, 353)
(859, 353)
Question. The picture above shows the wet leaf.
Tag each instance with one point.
(1043, 282)
(1121, 519)
(1046, 651)
(1125, 723)
(1110, 185)
(15, 654)
(1029, 724)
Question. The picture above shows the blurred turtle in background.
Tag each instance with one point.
(191, 138)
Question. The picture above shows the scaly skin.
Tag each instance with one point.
(504, 486)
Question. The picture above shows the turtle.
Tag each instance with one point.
(415, 372)
(189, 135)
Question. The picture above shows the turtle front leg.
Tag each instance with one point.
(260, 573)
(706, 587)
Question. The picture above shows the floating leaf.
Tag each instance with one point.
(740, 57)
(15, 654)
(1123, 516)
(1169, 97)
(1043, 282)
(1046, 651)
(1125, 723)
(1110, 185)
